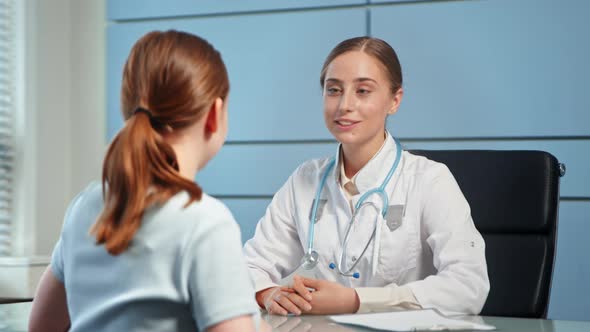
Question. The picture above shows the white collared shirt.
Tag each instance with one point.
(436, 254)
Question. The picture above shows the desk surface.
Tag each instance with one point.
(322, 323)
(14, 318)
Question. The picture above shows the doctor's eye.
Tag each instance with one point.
(332, 91)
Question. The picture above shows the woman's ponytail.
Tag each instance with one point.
(139, 169)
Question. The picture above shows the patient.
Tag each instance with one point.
(146, 249)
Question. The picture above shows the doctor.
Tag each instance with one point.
(391, 230)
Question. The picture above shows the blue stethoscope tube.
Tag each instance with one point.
(311, 257)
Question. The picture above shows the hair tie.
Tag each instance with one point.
(146, 112)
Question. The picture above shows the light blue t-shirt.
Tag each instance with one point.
(184, 269)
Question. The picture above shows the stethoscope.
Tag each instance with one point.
(311, 257)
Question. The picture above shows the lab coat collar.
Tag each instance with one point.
(374, 172)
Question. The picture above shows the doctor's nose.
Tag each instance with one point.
(347, 102)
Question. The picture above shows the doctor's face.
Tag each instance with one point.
(357, 100)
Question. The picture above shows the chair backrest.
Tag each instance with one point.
(514, 199)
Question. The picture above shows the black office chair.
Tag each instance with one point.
(514, 199)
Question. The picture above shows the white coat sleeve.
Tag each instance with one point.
(388, 298)
(275, 250)
(461, 284)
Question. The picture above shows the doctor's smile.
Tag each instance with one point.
(346, 124)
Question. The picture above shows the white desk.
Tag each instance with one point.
(505, 324)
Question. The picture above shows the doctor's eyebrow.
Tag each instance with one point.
(357, 80)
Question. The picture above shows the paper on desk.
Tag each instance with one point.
(414, 320)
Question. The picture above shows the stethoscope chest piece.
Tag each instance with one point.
(310, 260)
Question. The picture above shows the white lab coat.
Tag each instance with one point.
(437, 252)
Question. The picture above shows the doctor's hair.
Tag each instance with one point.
(170, 80)
(375, 47)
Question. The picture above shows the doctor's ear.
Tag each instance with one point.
(214, 116)
(397, 99)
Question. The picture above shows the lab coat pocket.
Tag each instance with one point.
(397, 250)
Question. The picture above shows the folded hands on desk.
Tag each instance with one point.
(309, 296)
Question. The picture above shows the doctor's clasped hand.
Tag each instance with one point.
(285, 300)
(330, 297)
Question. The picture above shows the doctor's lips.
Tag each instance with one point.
(345, 124)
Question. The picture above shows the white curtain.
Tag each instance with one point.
(7, 123)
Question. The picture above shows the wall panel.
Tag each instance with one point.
(490, 68)
(247, 212)
(274, 72)
(154, 9)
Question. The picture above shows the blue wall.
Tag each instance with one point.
(495, 74)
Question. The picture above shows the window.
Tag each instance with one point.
(7, 123)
